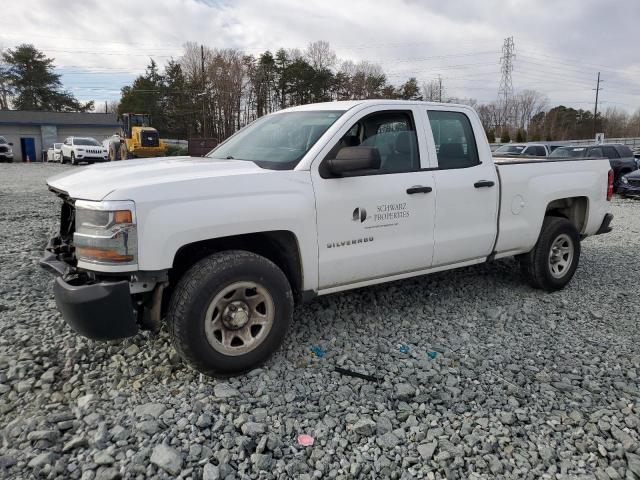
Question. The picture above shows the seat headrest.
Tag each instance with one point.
(403, 142)
(351, 141)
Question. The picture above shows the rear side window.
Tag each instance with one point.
(624, 151)
(610, 152)
(596, 152)
(539, 151)
(455, 142)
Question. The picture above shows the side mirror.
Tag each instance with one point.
(354, 159)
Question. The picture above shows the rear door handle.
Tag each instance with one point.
(418, 189)
(484, 183)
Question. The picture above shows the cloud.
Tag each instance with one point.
(560, 46)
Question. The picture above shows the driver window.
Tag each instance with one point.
(392, 133)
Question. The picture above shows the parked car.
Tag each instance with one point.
(53, 154)
(620, 157)
(630, 184)
(83, 149)
(307, 201)
(529, 149)
(6, 152)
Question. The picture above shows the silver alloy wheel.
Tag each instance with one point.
(561, 255)
(239, 318)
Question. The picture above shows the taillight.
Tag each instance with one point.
(610, 186)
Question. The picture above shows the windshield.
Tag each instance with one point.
(277, 141)
(57, 146)
(566, 152)
(85, 141)
(517, 149)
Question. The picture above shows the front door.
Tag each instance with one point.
(468, 190)
(376, 223)
(28, 147)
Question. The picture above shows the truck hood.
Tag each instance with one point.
(98, 181)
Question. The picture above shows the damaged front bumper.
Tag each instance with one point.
(106, 308)
(100, 311)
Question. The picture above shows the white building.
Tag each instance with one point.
(34, 132)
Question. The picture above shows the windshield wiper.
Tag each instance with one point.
(229, 157)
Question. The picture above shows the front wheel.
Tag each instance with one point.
(73, 159)
(554, 258)
(230, 312)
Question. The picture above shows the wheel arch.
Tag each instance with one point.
(574, 209)
(279, 246)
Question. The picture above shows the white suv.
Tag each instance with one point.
(83, 149)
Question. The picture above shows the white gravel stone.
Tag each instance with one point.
(167, 458)
(500, 381)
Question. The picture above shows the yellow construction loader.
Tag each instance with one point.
(136, 138)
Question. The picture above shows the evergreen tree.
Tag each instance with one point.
(32, 84)
(410, 90)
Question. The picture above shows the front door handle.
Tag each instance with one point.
(418, 189)
(484, 183)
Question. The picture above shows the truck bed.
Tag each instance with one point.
(529, 185)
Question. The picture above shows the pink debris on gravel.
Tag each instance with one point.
(306, 440)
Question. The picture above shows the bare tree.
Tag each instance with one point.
(616, 122)
(433, 91)
(525, 105)
(320, 55)
(4, 83)
(112, 106)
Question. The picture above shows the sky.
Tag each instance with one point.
(560, 45)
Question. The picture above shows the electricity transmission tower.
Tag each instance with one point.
(505, 91)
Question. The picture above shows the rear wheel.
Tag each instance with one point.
(114, 150)
(554, 258)
(125, 154)
(230, 312)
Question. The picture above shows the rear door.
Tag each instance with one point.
(378, 223)
(467, 187)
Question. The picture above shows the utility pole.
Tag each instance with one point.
(440, 88)
(106, 110)
(204, 112)
(595, 108)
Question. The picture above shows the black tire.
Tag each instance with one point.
(114, 152)
(124, 153)
(196, 292)
(73, 159)
(537, 265)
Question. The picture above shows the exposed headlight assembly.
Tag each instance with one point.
(106, 232)
(624, 180)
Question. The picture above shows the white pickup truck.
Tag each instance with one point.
(307, 201)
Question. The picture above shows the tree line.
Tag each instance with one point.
(211, 92)
(214, 92)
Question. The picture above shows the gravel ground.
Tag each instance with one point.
(478, 376)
